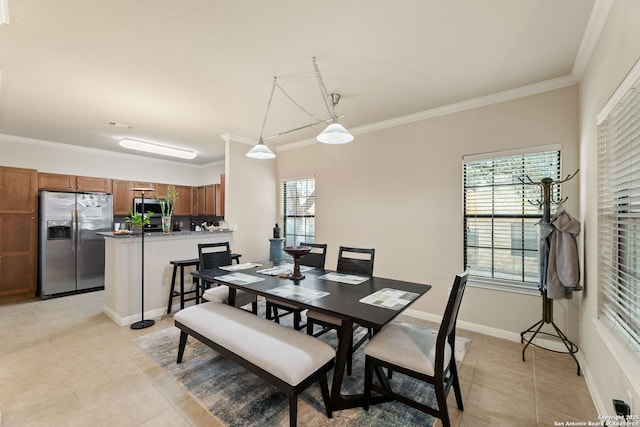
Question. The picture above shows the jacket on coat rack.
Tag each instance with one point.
(563, 273)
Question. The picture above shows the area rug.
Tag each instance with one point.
(239, 398)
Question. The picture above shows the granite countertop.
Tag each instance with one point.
(159, 234)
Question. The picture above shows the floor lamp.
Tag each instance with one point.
(142, 323)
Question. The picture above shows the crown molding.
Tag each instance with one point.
(597, 20)
(483, 101)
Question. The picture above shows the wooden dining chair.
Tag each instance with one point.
(358, 261)
(214, 255)
(420, 353)
(276, 309)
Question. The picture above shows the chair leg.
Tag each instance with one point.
(350, 359)
(173, 284)
(293, 410)
(368, 378)
(441, 398)
(182, 345)
(456, 385)
(324, 387)
(181, 287)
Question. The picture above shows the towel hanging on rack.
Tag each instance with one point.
(563, 273)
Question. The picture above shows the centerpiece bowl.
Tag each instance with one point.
(296, 252)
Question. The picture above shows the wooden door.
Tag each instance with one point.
(18, 232)
(17, 256)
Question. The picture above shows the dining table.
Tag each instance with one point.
(370, 302)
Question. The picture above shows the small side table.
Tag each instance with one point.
(275, 250)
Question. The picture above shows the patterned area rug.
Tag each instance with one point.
(239, 398)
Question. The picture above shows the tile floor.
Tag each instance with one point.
(65, 363)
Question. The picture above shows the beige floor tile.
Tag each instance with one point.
(64, 362)
(168, 418)
(500, 407)
(60, 409)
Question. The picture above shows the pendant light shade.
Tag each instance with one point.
(335, 133)
(260, 151)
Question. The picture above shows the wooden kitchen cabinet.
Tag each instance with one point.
(205, 200)
(122, 196)
(18, 233)
(60, 182)
(184, 204)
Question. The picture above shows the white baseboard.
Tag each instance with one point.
(157, 313)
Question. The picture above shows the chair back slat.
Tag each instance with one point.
(317, 256)
(447, 330)
(361, 264)
(214, 255)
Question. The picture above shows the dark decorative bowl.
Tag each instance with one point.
(296, 252)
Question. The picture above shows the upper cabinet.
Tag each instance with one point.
(209, 200)
(18, 191)
(123, 196)
(54, 181)
(184, 204)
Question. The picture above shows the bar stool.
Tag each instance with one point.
(172, 292)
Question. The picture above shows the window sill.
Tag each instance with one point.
(503, 285)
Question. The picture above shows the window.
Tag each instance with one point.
(501, 214)
(299, 209)
(619, 209)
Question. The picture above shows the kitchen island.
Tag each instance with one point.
(122, 270)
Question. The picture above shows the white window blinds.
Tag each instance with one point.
(619, 210)
(500, 216)
(299, 206)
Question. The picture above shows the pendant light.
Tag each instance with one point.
(260, 150)
(335, 133)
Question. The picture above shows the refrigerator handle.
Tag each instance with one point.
(74, 229)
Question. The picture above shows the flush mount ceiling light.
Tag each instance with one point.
(150, 147)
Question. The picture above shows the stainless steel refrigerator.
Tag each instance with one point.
(71, 255)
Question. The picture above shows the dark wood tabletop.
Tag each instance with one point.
(342, 300)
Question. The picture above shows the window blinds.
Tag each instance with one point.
(299, 203)
(619, 213)
(501, 213)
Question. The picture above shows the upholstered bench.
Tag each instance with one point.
(288, 359)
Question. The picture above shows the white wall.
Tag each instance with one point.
(399, 190)
(251, 201)
(66, 159)
(612, 370)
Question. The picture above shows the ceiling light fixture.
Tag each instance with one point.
(335, 133)
(261, 151)
(150, 147)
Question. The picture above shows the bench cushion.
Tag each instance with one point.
(286, 353)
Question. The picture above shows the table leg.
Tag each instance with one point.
(338, 400)
(232, 296)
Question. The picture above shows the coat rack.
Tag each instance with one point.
(546, 190)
